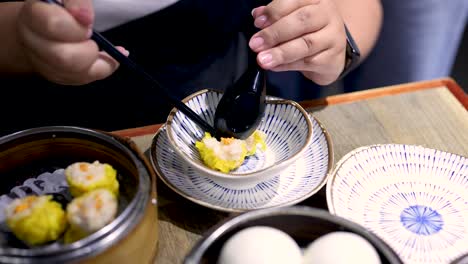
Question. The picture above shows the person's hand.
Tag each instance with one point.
(301, 35)
(56, 41)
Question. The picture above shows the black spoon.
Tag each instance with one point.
(242, 105)
(108, 47)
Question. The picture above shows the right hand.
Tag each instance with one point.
(57, 43)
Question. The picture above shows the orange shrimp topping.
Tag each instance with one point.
(25, 205)
(227, 141)
(84, 167)
(98, 204)
(30, 199)
(21, 207)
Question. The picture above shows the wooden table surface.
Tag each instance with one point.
(432, 114)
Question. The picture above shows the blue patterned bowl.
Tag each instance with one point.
(302, 179)
(286, 124)
(414, 198)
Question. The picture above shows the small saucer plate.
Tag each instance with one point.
(414, 198)
(303, 178)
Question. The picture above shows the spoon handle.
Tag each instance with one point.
(108, 47)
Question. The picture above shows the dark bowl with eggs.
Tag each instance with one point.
(304, 224)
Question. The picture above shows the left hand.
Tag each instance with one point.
(301, 35)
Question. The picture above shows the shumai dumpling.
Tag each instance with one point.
(89, 213)
(36, 219)
(229, 153)
(83, 177)
(224, 155)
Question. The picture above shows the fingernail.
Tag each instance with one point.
(260, 21)
(256, 43)
(123, 50)
(252, 13)
(265, 58)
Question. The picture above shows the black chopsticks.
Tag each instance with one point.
(108, 47)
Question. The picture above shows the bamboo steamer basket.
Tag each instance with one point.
(132, 237)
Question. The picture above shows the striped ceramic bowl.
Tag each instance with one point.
(287, 126)
(414, 198)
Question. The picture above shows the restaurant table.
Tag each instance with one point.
(431, 114)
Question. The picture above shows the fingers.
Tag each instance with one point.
(281, 8)
(260, 19)
(300, 35)
(73, 56)
(57, 42)
(100, 68)
(256, 12)
(302, 21)
(323, 68)
(82, 10)
(311, 63)
(123, 50)
(52, 22)
(104, 66)
(296, 49)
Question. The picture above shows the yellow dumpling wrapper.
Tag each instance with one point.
(36, 220)
(230, 153)
(256, 139)
(74, 234)
(83, 177)
(224, 156)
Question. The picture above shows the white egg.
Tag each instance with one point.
(340, 248)
(258, 245)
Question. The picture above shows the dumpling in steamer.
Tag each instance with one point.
(36, 220)
(89, 213)
(83, 177)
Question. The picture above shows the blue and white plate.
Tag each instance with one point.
(414, 198)
(299, 181)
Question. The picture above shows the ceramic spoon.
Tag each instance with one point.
(242, 105)
(108, 47)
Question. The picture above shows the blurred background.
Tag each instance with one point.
(460, 68)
